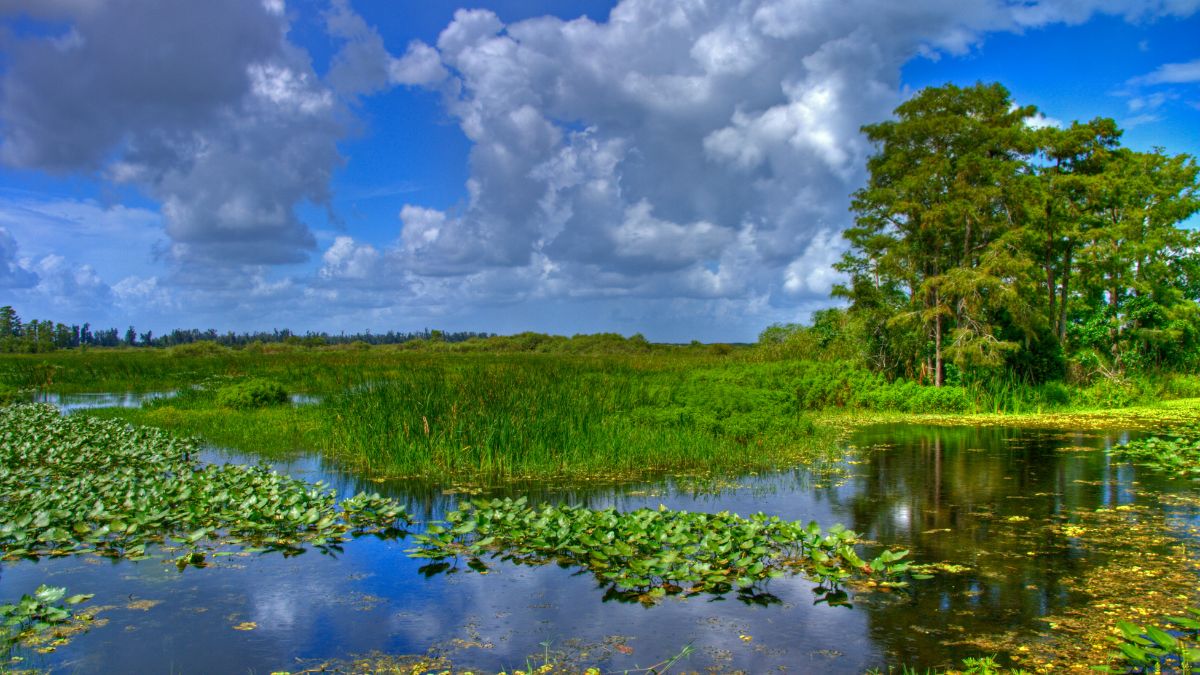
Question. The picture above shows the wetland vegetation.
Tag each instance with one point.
(1027, 296)
(716, 417)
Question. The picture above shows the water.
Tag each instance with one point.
(995, 500)
(86, 401)
(69, 403)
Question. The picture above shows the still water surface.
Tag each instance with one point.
(90, 400)
(991, 499)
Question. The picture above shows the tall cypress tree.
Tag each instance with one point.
(948, 187)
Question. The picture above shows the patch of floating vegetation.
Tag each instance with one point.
(1178, 456)
(76, 485)
(72, 485)
(1146, 572)
(1160, 417)
(647, 554)
(1152, 649)
(42, 621)
(573, 656)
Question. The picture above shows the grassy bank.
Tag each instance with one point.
(491, 418)
(494, 416)
(1166, 416)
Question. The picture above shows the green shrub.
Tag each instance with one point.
(9, 395)
(252, 393)
(1180, 386)
(1108, 393)
(1053, 394)
(944, 399)
(200, 348)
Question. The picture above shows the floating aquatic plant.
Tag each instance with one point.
(40, 610)
(47, 608)
(1179, 456)
(647, 554)
(72, 485)
(1150, 649)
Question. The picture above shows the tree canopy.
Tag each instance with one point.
(988, 243)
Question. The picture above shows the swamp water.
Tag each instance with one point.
(1055, 542)
(69, 403)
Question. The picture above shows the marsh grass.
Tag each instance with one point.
(549, 418)
(494, 416)
(270, 432)
(204, 409)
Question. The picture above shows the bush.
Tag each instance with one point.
(1108, 393)
(200, 348)
(1180, 386)
(1053, 394)
(944, 399)
(9, 395)
(252, 393)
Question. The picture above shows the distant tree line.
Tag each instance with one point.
(31, 337)
(986, 245)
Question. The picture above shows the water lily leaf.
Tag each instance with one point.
(1184, 622)
(1133, 632)
(1162, 638)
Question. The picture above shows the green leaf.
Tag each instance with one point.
(1133, 632)
(1134, 653)
(1162, 638)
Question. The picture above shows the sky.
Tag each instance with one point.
(676, 168)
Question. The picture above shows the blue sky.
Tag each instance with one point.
(675, 168)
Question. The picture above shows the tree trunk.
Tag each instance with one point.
(939, 374)
(1062, 303)
(1050, 286)
(1114, 332)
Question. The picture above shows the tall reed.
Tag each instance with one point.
(523, 417)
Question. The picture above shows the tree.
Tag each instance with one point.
(1079, 159)
(933, 241)
(10, 329)
(982, 241)
(1133, 266)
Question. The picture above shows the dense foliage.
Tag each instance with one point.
(254, 392)
(989, 243)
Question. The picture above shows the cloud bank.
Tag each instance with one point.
(700, 150)
(205, 107)
(682, 160)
